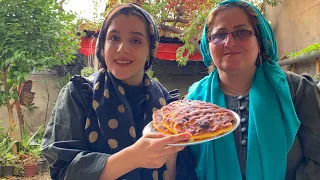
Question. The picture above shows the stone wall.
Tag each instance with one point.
(296, 25)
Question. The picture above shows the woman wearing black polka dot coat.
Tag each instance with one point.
(95, 129)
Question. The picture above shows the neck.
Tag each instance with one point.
(135, 80)
(237, 83)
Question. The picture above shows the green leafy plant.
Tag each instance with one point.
(151, 74)
(87, 71)
(36, 35)
(62, 81)
(8, 159)
(312, 48)
(29, 147)
(6, 143)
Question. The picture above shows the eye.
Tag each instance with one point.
(243, 33)
(114, 38)
(136, 41)
(219, 36)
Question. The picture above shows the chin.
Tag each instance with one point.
(231, 68)
(121, 75)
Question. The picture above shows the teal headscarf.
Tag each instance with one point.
(273, 123)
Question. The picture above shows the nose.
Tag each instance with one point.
(123, 48)
(229, 40)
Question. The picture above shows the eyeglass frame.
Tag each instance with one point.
(233, 35)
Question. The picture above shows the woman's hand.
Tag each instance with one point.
(152, 150)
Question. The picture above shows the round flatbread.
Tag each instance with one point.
(201, 119)
(157, 122)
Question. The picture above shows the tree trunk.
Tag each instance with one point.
(12, 126)
(20, 117)
(10, 109)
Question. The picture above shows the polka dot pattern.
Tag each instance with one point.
(121, 90)
(95, 104)
(113, 123)
(154, 109)
(87, 123)
(96, 87)
(93, 136)
(155, 175)
(162, 101)
(113, 143)
(121, 108)
(165, 175)
(106, 93)
(132, 132)
(147, 82)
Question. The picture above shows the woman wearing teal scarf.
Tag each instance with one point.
(278, 137)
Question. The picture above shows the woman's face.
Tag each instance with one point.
(234, 55)
(126, 48)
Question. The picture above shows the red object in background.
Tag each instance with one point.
(166, 51)
(88, 46)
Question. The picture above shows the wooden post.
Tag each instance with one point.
(318, 65)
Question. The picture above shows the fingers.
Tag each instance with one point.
(154, 135)
(172, 139)
(174, 149)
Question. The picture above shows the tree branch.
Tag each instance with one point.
(179, 31)
(176, 20)
(6, 67)
(171, 28)
(61, 5)
(196, 45)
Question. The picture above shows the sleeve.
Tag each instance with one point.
(307, 105)
(64, 145)
(173, 96)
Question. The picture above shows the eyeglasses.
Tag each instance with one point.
(220, 38)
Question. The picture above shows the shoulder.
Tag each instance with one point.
(78, 90)
(300, 83)
(171, 95)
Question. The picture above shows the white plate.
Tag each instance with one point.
(149, 128)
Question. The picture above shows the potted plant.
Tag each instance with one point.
(30, 153)
(36, 153)
(7, 158)
(8, 162)
(29, 164)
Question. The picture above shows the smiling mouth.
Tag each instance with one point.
(123, 62)
(232, 53)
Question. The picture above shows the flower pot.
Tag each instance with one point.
(45, 165)
(7, 170)
(39, 167)
(30, 170)
(1, 174)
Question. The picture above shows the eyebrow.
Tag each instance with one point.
(241, 25)
(235, 27)
(137, 33)
(132, 32)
